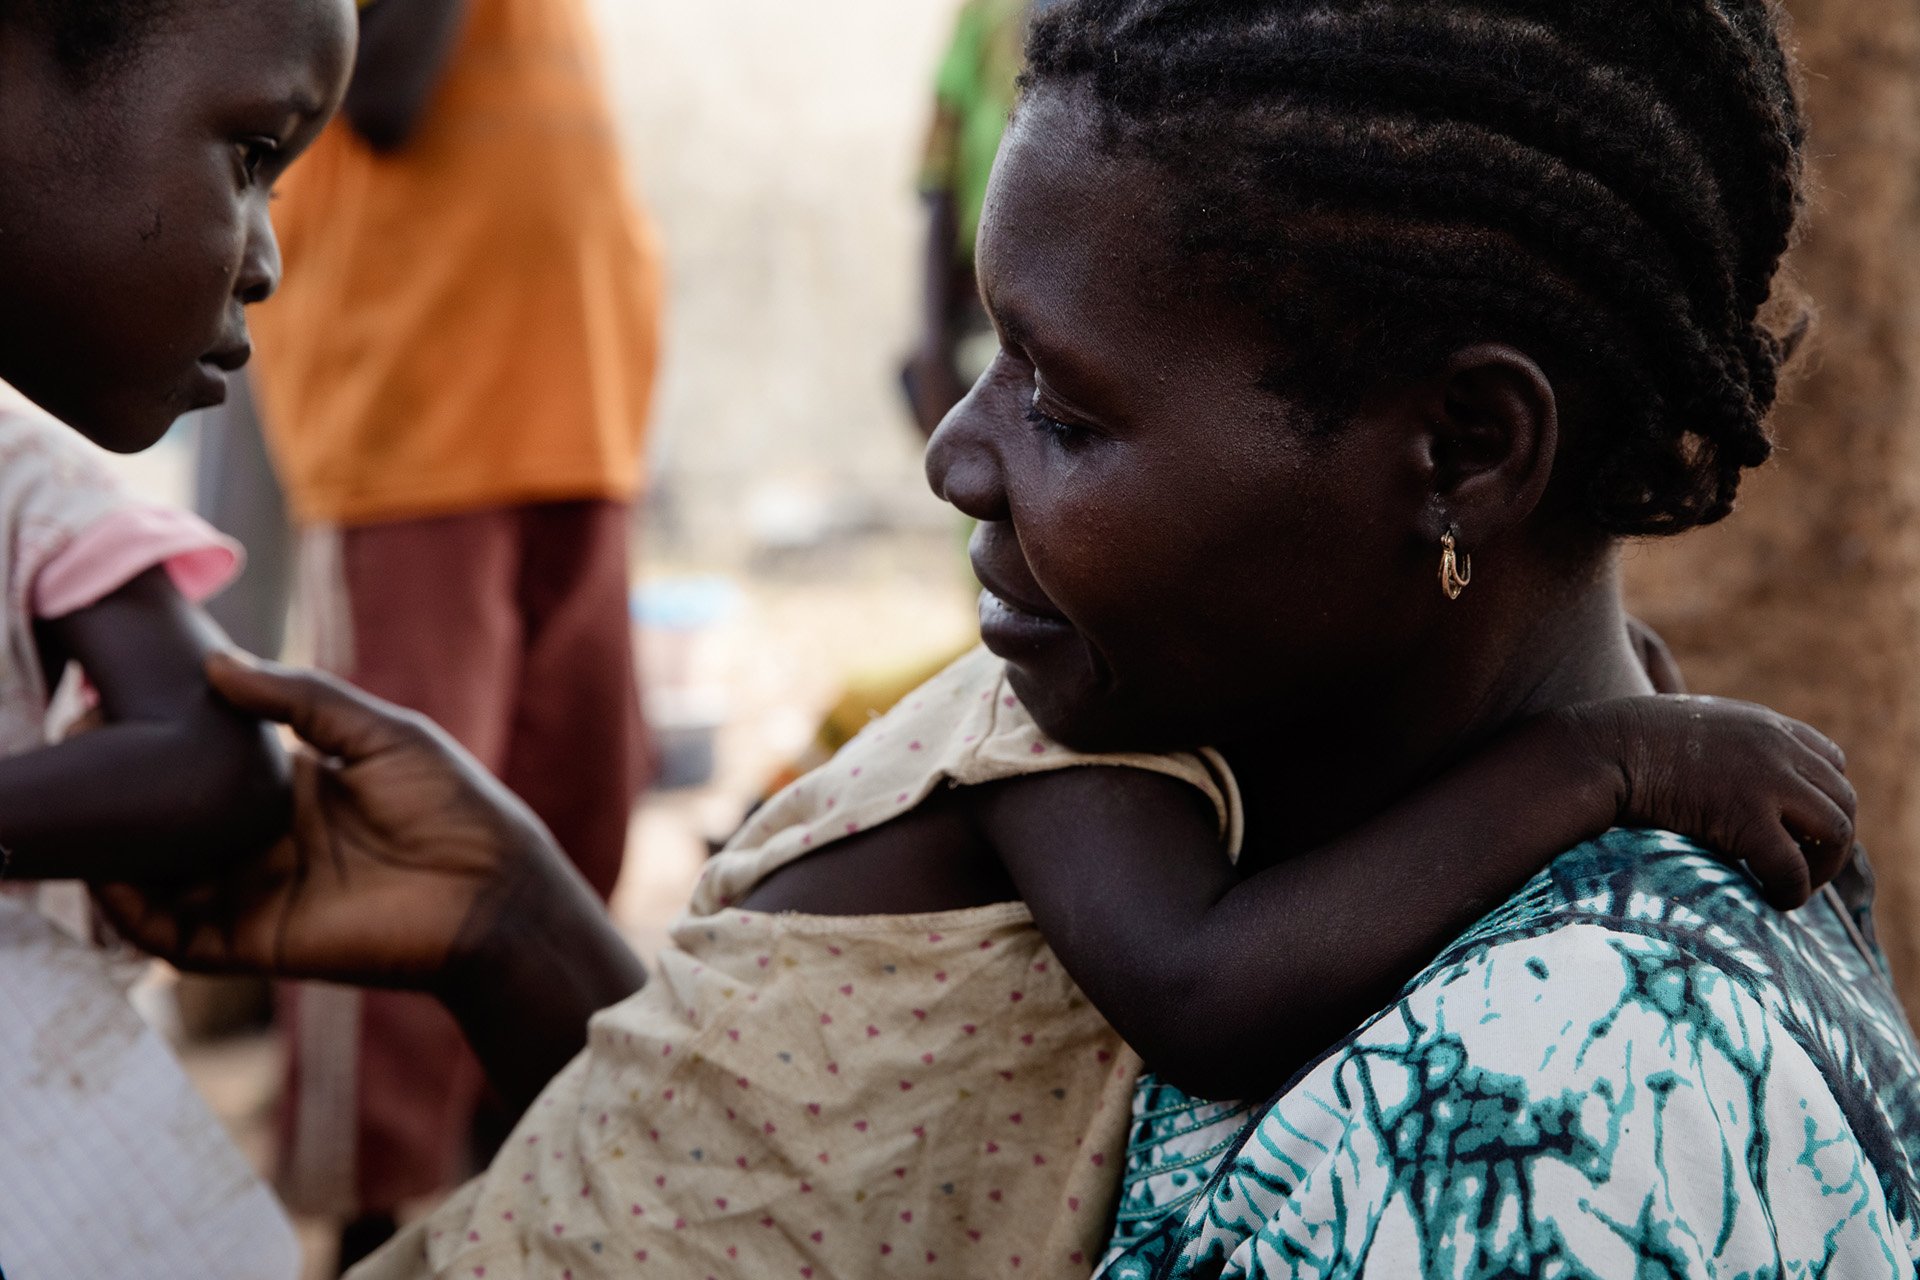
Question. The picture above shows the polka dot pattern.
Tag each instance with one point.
(812, 1096)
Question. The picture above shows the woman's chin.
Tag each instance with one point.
(1070, 698)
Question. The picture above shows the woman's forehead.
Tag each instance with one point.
(1078, 255)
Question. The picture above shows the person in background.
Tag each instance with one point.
(973, 95)
(455, 382)
(235, 491)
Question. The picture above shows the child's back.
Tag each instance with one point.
(799, 1094)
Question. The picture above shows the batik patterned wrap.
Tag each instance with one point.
(1632, 1068)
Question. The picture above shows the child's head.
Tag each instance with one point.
(139, 141)
(1311, 283)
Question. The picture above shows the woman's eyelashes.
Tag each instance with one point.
(1065, 434)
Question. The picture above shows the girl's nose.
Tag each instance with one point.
(963, 465)
(260, 264)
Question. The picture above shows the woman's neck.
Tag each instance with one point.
(1534, 652)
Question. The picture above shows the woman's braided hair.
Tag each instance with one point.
(1608, 185)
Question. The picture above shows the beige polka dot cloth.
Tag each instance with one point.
(820, 1097)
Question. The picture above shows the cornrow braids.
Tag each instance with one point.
(1610, 186)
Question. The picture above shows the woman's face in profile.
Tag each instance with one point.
(1170, 556)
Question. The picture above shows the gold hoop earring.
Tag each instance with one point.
(1456, 567)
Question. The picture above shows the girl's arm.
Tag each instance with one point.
(408, 866)
(175, 783)
(1228, 985)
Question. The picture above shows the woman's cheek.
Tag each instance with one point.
(1097, 555)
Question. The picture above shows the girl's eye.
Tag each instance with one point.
(253, 154)
(1064, 434)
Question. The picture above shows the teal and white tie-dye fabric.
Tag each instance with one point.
(1633, 1069)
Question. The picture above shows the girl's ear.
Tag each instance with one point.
(1488, 447)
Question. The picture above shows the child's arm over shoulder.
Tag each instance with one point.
(1227, 984)
(175, 780)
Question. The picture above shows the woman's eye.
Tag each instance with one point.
(1065, 434)
(253, 154)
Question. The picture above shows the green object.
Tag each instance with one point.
(974, 92)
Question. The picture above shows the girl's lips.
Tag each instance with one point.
(1010, 631)
(209, 385)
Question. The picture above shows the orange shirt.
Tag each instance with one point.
(471, 321)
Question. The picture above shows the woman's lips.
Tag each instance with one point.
(1011, 631)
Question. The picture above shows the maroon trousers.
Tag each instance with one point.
(510, 628)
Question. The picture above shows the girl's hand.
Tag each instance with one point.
(403, 853)
(1747, 783)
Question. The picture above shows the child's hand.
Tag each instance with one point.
(1747, 783)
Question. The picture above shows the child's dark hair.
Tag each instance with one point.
(90, 37)
(1610, 186)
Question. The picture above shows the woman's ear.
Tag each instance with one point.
(1492, 433)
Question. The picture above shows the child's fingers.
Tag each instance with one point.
(1817, 742)
(1823, 831)
(1825, 777)
(126, 907)
(1780, 865)
(1800, 850)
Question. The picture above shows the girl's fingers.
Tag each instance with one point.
(167, 927)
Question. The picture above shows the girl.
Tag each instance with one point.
(138, 143)
(126, 266)
(1351, 538)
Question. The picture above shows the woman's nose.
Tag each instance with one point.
(260, 263)
(963, 465)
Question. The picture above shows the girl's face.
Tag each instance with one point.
(133, 206)
(1170, 556)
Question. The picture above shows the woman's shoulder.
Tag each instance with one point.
(1651, 922)
(965, 727)
(1656, 886)
(1633, 1050)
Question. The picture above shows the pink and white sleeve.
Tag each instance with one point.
(123, 544)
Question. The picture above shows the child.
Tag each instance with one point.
(139, 141)
(124, 276)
